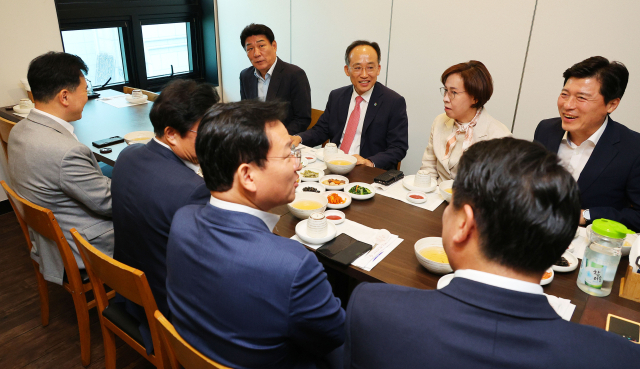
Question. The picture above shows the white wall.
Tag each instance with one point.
(321, 32)
(40, 34)
(569, 31)
(233, 16)
(428, 37)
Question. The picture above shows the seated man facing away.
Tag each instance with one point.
(514, 212)
(238, 293)
(49, 167)
(602, 155)
(271, 78)
(151, 182)
(365, 119)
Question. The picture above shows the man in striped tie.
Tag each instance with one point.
(365, 119)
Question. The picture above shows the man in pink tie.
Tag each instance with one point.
(365, 119)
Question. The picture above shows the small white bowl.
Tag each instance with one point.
(304, 214)
(548, 280)
(628, 242)
(345, 196)
(341, 169)
(361, 184)
(19, 110)
(309, 179)
(416, 193)
(446, 185)
(334, 176)
(432, 266)
(316, 185)
(573, 263)
(133, 100)
(301, 231)
(335, 213)
(309, 157)
(138, 137)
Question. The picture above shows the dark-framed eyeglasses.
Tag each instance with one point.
(452, 94)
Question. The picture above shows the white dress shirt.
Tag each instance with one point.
(499, 281)
(574, 157)
(355, 145)
(190, 165)
(263, 83)
(269, 219)
(62, 122)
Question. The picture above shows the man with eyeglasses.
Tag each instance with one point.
(152, 181)
(238, 293)
(365, 119)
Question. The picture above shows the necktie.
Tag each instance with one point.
(352, 127)
(468, 135)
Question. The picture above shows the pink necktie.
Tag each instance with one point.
(352, 127)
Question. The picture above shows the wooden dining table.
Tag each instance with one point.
(412, 223)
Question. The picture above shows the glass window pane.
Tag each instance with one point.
(101, 50)
(166, 45)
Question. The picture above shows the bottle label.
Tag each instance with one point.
(594, 274)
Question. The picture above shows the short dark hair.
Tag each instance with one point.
(256, 30)
(357, 43)
(53, 72)
(613, 76)
(232, 134)
(526, 205)
(181, 104)
(477, 80)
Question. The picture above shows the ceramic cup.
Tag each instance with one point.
(136, 94)
(330, 149)
(423, 179)
(317, 225)
(26, 104)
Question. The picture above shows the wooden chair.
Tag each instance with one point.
(42, 221)
(179, 351)
(315, 115)
(151, 95)
(130, 283)
(5, 128)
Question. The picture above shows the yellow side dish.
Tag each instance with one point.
(340, 162)
(307, 205)
(436, 254)
(449, 190)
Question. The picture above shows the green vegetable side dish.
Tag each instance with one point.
(359, 190)
(309, 174)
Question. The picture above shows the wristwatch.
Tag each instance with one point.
(586, 215)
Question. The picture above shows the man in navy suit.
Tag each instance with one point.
(151, 182)
(514, 211)
(270, 78)
(238, 293)
(602, 155)
(365, 119)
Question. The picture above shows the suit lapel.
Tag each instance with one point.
(481, 130)
(252, 85)
(274, 83)
(372, 109)
(449, 127)
(602, 154)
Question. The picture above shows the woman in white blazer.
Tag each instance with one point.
(467, 87)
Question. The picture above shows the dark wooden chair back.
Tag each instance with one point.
(128, 282)
(179, 351)
(151, 95)
(315, 115)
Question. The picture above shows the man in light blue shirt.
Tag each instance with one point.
(270, 78)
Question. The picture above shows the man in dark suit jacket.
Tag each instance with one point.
(602, 155)
(238, 293)
(365, 119)
(270, 78)
(151, 182)
(493, 314)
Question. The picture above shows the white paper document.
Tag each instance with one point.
(119, 101)
(399, 192)
(563, 307)
(364, 234)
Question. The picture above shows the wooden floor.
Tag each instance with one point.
(24, 342)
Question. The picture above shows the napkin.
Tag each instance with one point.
(364, 234)
(119, 101)
(398, 192)
(579, 244)
(563, 307)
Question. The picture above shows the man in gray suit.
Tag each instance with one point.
(49, 167)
